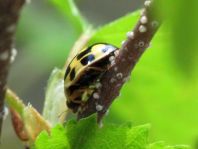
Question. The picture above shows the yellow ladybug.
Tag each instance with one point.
(85, 71)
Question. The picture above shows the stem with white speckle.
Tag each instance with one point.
(9, 14)
(130, 52)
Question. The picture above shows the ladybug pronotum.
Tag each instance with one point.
(84, 72)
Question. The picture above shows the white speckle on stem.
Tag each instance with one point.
(98, 85)
(96, 95)
(111, 58)
(119, 75)
(99, 107)
(112, 80)
(116, 53)
(123, 42)
(144, 20)
(13, 55)
(113, 63)
(130, 35)
(147, 3)
(142, 29)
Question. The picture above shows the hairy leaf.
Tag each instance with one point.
(87, 134)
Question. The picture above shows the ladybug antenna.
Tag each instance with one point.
(63, 114)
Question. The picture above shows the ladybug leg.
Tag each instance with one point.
(73, 106)
(96, 69)
(86, 95)
(100, 72)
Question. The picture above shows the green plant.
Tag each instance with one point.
(86, 133)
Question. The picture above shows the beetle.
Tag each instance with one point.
(84, 73)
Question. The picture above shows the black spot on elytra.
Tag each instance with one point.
(105, 49)
(67, 72)
(72, 74)
(80, 55)
(87, 59)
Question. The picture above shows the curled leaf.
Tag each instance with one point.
(55, 108)
(27, 122)
(18, 125)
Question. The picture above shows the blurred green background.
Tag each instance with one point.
(163, 90)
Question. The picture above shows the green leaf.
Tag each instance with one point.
(56, 140)
(115, 32)
(87, 134)
(70, 11)
(185, 33)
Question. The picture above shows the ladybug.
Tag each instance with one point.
(84, 73)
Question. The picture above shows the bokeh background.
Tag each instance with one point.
(163, 90)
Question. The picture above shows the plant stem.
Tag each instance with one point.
(130, 52)
(9, 14)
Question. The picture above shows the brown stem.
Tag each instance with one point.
(9, 14)
(130, 52)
